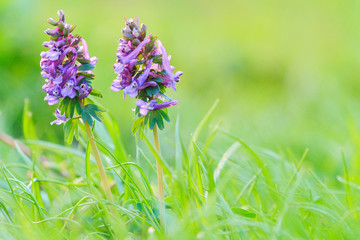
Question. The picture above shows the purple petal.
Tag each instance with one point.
(134, 53)
(51, 99)
(165, 105)
(145, 74)
(143, 111)
(115, 86)
(148, 84)
(132, 90)
(140, 102)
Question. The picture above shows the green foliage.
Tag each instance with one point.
(152, 90)
(70, 106)
(96, 93)
(150, 120)
(209, 194)
(83, 60)
(90, 111)
(86, 67)
(72, 109)
(71, 129)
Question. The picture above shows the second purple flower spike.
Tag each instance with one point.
(143, 71)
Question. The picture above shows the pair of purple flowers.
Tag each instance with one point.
(142, 67)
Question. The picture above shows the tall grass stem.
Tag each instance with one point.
(104, 181)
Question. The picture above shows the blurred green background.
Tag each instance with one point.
(287, 73)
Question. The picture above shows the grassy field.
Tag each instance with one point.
(264, 143)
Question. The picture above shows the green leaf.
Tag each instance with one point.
(152, 90)
(86, 67)
(86, 117)
(29, 130)
(70, 128)
(83, 60)
(89, 75)
(137, 124)
(159, 120)
(87, 80)
(78, 106)
(64, 105)
(152, 119)
(96, 93)
(164, 115)
(243, 212)
(157, 79)
(68, 106)
(90, 111)
(72, 109)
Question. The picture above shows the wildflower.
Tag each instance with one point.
(143, 68)
(66, 63)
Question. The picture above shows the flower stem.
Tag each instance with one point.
(99, 164)
(160, 180)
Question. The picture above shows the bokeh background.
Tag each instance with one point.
(287, 73)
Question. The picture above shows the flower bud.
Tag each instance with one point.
(127, 34)
(135, 42)
(61, 16)
(72, 28)
(52, 22)
(136, 33)
(61, 25)
(131, 24)
(143, 31)
(66, 31)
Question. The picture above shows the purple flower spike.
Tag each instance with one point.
(59, 118)
(62, 65)
(143, 70)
